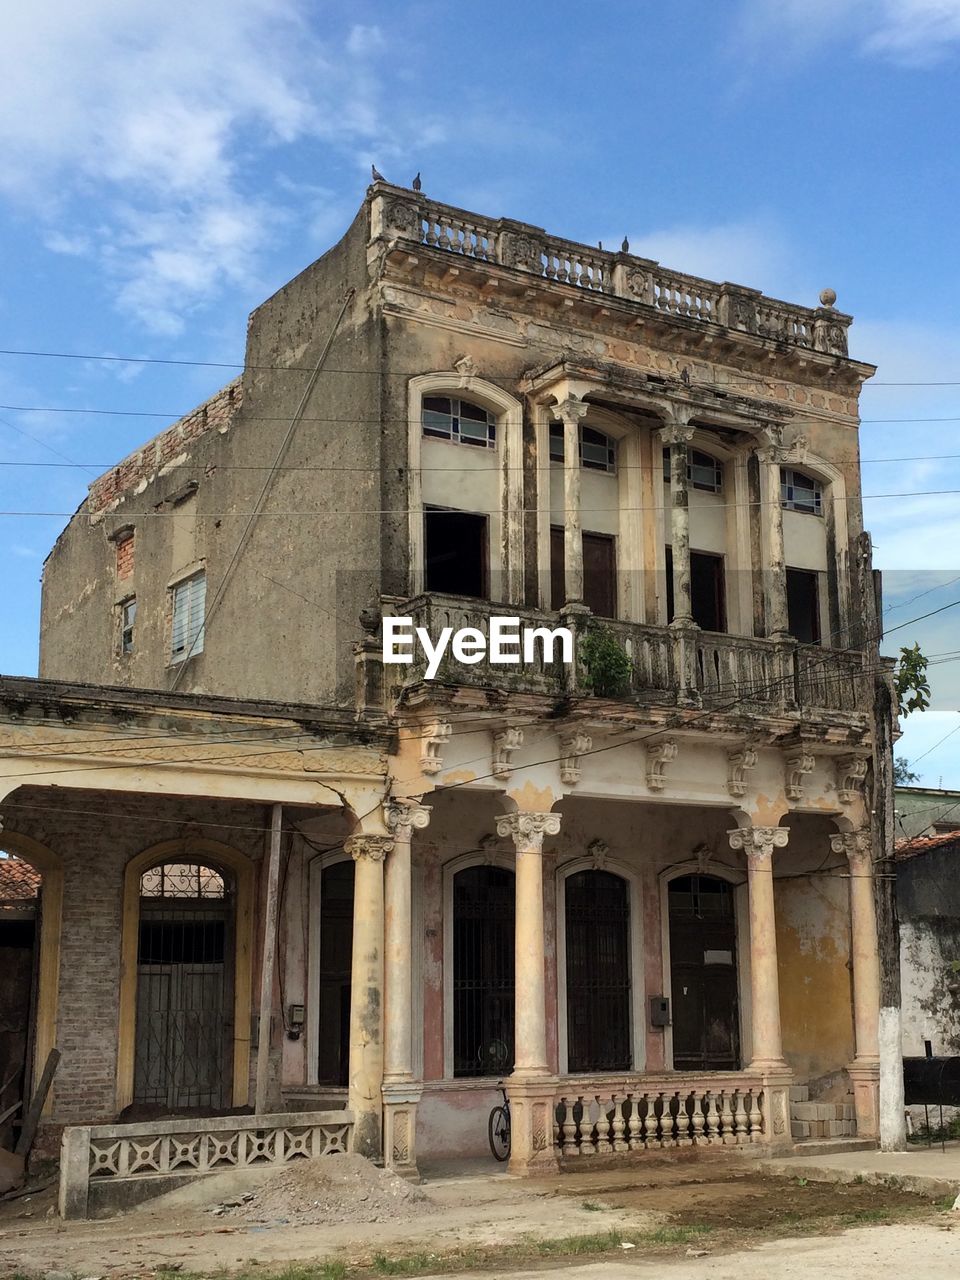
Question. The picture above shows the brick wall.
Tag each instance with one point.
(140, 467)
(125, 558)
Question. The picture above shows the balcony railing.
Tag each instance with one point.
(666, 666)
(502, 242)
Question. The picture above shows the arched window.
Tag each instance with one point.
(184, 1028)
(459, 421)
(703, 471)
(598, 977)
(598, 451)
(703, 972)
(483, 971)
(800, 492)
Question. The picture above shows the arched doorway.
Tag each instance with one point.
(597, 947)
(483, 925)
(335, 971)
(185, 981)
(703, 974)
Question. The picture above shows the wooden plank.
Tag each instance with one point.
(32, 1119)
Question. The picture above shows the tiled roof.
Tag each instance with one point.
(925, 844)
(19, 882)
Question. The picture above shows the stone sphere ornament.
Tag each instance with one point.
(828, 297)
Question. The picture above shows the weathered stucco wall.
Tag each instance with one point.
(928, 901)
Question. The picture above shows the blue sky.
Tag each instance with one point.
(167, 166)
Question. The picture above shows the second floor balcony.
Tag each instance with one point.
(632, 663)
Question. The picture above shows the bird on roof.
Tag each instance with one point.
(416, 183)
(377, 175)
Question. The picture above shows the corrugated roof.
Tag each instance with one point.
(19, 882)
(925, 844)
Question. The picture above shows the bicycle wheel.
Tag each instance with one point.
(498, 1131)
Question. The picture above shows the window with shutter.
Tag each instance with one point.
(189, 603)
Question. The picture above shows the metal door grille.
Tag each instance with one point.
(483, 971)
(597, 920)
(704, 978)
(183, 1002)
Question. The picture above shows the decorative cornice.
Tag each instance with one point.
(739, 763)
(434, 738)
(659, 755)
(573, 747)
(505, 743)
(851, 777)
(798, 765)
(528, 829)
(361, 846)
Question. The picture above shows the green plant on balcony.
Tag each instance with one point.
(607, 670)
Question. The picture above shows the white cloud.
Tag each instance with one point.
(907, 32)
(753, 253)
(157, 114)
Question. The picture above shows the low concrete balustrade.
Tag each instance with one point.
(606, 1116)
(667, 666)
(407, 215)
(112, 1166)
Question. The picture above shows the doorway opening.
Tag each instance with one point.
(457, 553)
(484, 913)
(597, 929)
(336, 968)
(20, 907)
(707, 590)
(703, 974)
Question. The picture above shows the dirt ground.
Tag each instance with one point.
(667, 1210)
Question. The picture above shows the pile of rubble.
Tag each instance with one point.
(333, 1189)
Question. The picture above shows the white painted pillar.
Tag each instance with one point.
(771, 456)
(676, 436)
(571, 412)
(401, 1092)
(366, 992)
(531, 1087)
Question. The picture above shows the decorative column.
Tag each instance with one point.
(401, 1092)
(366, 991)
(758, 844)
(570, 412)
(532, 1088)
(676, 436)
(864, 1071)
(771, 455)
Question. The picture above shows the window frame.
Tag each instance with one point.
(455, 434)
(706, 459)
(605, 441)
(193, 639)
(788, 500)
(127, 624)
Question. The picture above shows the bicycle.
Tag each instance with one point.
(498, 1128)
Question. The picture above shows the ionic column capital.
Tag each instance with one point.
(528, 829)
(571, 410)
(370, 847)
(678, 431)
(770, 446)
(758, 843)
(403, 817)
(856, 845)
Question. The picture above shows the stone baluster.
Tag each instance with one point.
(619, 1124)
(368, 851)
(650, 1122)
(635, 1125)
(587, 1140)
(741, 1120)
(712, 1117)
(569, 1128)
(756, 1116)
(684, 1121)
(532, 1088)
(864, 1071)
(697, 1118)
(604, 1146)
(728, 1137)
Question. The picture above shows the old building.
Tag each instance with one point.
(640, 888)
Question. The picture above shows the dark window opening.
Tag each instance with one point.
(483, 971)
(707, 590)
(803, 605)
(336, 966)
(599, 572)
(597, 921)
(703, 967)
(456, 553)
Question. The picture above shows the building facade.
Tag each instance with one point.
(638, 888)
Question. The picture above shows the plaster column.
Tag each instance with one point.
(401, 1092)
(366, 992)
(570, 412)
(771, 456)
(864, 1071)
(677, 436)
(758, 844)
(531, 1086)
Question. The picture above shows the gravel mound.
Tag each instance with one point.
(332, 1189)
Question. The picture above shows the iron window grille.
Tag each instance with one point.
(799, 492)
(703, 471)
(182, 880)
(189, 604)
(483, 971)
(598, 451)
(459, 421)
